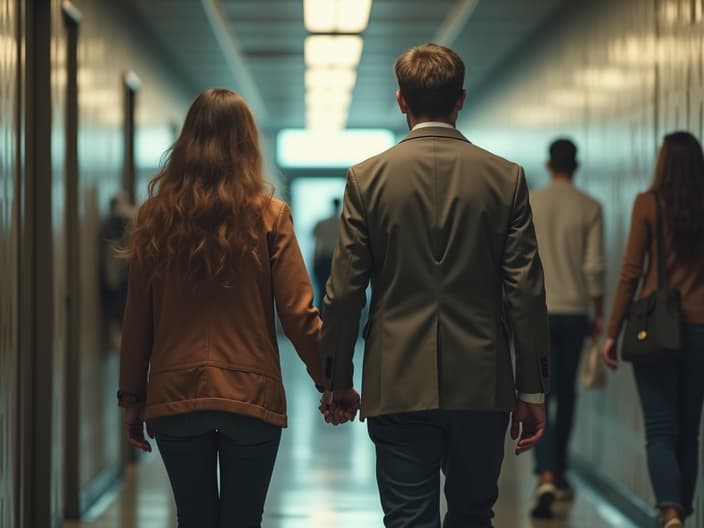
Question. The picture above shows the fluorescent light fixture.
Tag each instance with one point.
(310, 149)
(342, 79)
(333, 50)
(320, 16)
(353, 15)
(328, 98)
(336, 16)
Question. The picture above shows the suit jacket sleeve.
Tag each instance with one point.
(524, 294)
(344, 298)
(137, 335)
(294, 295)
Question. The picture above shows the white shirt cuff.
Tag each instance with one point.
(537, 397)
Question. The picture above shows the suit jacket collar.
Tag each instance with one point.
(442, 132)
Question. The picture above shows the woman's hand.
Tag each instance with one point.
(608, 353)
(134, 427)
(340, 406)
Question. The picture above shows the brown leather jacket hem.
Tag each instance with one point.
(156, 410)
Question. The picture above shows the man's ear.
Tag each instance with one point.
(403, 106)
(460, 101)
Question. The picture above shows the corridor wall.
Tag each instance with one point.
(615, 77)
(62, 158)
(114, 55)
(9, 244)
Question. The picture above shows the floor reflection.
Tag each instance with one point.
(324, 478)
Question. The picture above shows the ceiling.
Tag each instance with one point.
(259, 49)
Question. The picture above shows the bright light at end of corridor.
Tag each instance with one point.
(311, 148)
(336, 16)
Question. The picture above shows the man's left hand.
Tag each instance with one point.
(527, 425)
(340, 406)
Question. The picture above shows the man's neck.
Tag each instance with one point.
(417, 120)
(561, 177)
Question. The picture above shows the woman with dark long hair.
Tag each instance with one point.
(671, 391)
(211, 255)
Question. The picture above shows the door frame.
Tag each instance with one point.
(131, 84)
(36, 295)
(71, 467)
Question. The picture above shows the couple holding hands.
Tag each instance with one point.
(443, 232)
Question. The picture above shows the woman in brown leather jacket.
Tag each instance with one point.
(212, 254)
(671, 391)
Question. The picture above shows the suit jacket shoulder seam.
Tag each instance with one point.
(353, 181)
(517, 184)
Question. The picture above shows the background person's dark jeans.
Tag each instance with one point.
(191, 445)
(412, 448)
(567, 334)
(671, 394)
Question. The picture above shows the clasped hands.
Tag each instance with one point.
(340, 406)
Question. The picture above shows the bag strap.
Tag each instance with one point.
(658, 243)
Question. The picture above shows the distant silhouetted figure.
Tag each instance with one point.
(671, 390)
(325, 233)
(211, 255)
(113, 269)
(568, 224)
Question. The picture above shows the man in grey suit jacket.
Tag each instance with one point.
(443, 230)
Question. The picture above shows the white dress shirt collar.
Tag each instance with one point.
(427, 124)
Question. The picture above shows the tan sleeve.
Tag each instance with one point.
(293, 295)
(137, 335)
(524, 292)
(632, 266)
(344, 297)
(594, 260)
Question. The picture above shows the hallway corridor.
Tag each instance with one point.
(324, 478)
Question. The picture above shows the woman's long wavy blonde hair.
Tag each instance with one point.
(204, 212)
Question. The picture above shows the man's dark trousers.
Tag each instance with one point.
(412, 448)
(567, 335)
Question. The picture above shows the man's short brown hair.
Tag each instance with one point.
(430, 78)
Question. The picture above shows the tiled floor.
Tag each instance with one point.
(324, 478)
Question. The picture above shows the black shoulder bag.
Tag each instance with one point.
(654, 324)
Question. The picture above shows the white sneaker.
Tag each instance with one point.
(563, 490)
(545, 496)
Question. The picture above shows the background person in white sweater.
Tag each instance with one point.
(569, 229)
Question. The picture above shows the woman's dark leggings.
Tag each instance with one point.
(193, 444)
